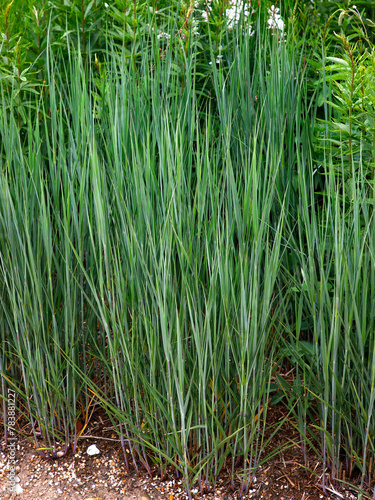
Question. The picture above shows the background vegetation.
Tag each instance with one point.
(186, 213)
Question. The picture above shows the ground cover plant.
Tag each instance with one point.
(186, 207)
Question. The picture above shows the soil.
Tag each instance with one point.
(104, 476)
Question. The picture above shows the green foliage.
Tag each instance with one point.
(349, 130)
(166, 240)
(149, 254)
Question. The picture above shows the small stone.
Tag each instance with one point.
(93, 450)
(18, 489)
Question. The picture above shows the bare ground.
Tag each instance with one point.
(104, 476)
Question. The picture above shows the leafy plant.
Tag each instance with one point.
(350, 141)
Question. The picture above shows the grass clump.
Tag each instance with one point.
(167, 244)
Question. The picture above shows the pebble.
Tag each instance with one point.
(93, 450)
(18, 489)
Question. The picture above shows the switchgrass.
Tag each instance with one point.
(337, 289)
(163, 249)
(139, 266)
